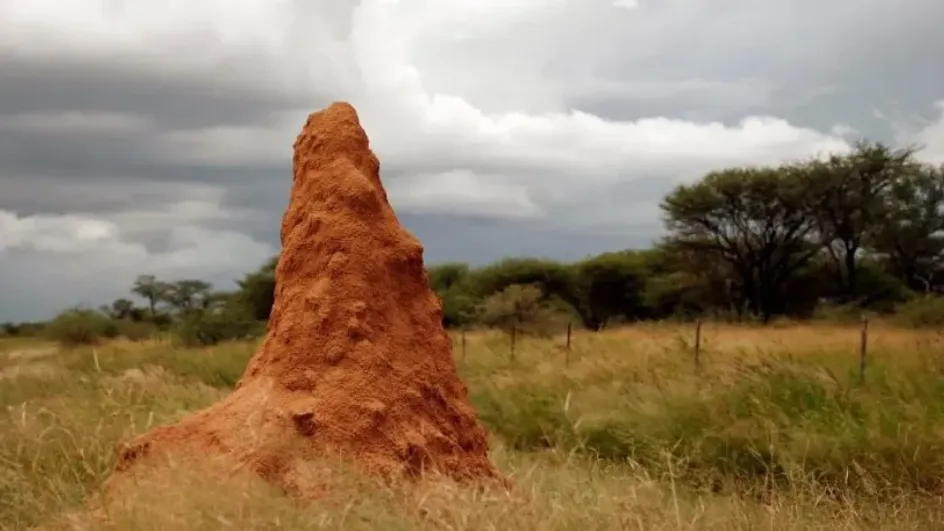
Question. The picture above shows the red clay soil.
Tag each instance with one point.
(355, 363)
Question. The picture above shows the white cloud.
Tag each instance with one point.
(191, 248)
(931, 137)
(406, 120)
(59, 234)
(557, 148)
(126, 27)
(626, 4)
(463, 192)
(51, 261)
(744, 91)
(227, 145)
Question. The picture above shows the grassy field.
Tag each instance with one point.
(774, 431)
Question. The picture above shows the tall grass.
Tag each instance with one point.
(774, 431)
(762, 410)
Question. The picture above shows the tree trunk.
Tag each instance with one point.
(852, 274)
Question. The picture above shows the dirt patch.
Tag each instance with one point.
(355, 363)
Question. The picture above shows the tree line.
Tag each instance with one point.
(848, 233)
(851, 232)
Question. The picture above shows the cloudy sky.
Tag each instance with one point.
(155, 137)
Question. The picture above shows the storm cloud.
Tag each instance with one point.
(141, 137)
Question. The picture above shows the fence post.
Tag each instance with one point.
(698, 345)
(514, 333)
(863, 348)
(463, 344)
(567, 353)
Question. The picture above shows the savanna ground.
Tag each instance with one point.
(773, 432)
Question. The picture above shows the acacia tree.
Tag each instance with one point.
(910, 237)
(851, 195)
(449, 281)
(150, 289)
(256, 292)
(189, 294)
(553, 278)
(524, 308)
(695, 281)
(757, 220)
(610, 285)
(122, 309)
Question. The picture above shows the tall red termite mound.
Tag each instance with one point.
(355, 362)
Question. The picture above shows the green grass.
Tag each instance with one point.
(773, 432)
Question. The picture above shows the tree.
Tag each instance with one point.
(81, 326)
(189, 294)
(450, 283)
(123, 309)
(851, 190)
(257, 290)
(10, 329)
(686, 282)
(910, 237)
(442, 277)
(610, 285)
(150, 289)
(524, 308)
(221, 300)
(756, 220)
(553, 278)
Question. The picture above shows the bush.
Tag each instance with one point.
(135, 330)
(921, 312)
(81, 327)
(458, 308)
(840, 313)
(30, 329)
(526, 309)
(211, 327)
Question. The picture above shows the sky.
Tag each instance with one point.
(142, 137)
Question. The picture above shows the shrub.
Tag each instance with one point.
(80, 326)
(526, 309)
(30, 329)
(458, 308)
(135, 330)
(840, 313)
(921, 312)
(10, 329)
(211, 327)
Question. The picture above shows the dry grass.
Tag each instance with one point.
(773, 432)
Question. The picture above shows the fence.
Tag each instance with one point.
(696, 346)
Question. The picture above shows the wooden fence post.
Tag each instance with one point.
(567, 352)
(514, 333)
(863, 348)
(698, 345)
(463, 344)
